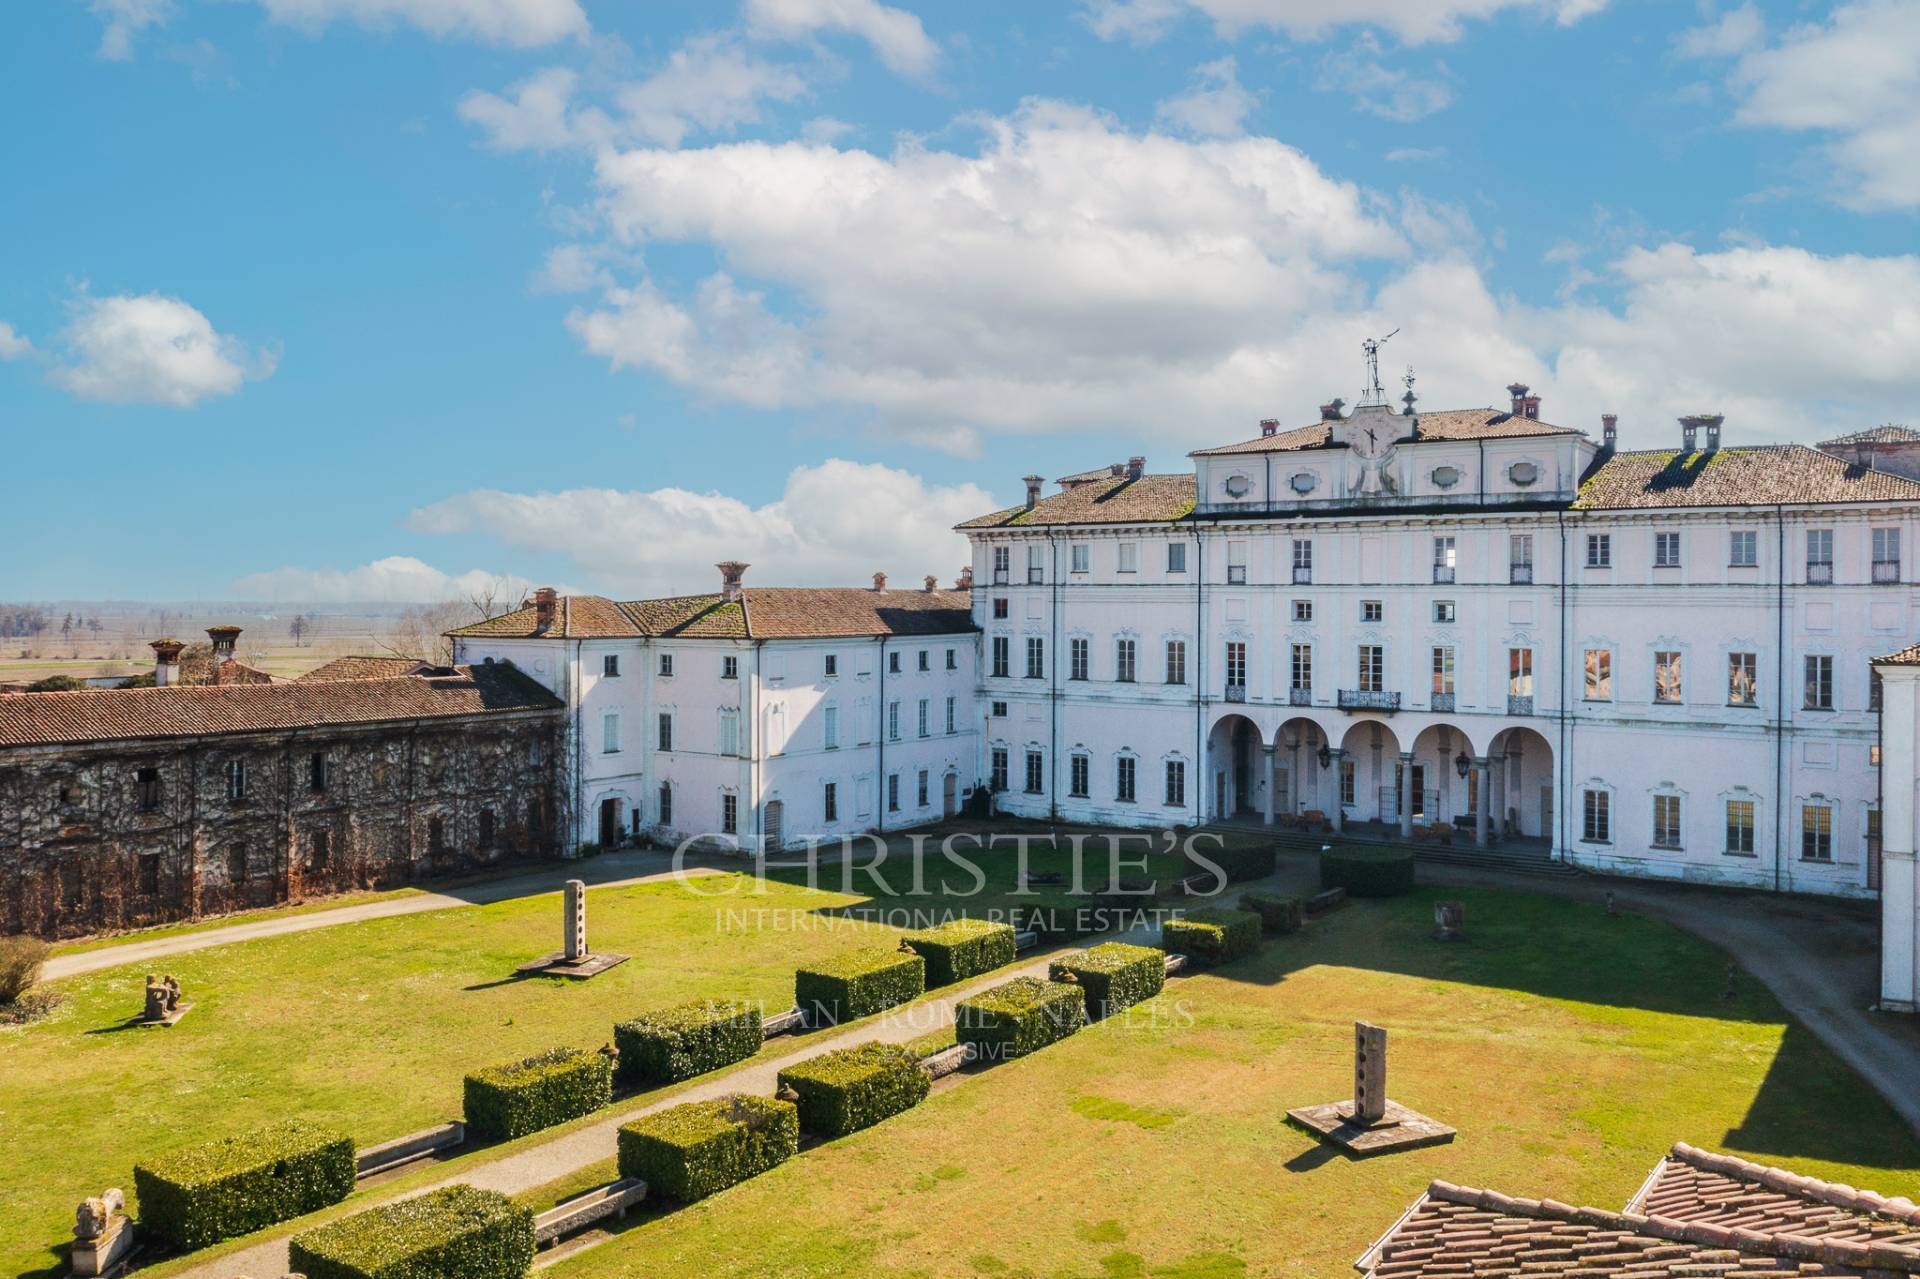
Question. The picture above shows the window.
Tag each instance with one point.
(893, 663)
(1123, 654)
(1519, 672)
(1077, 768)
(610, 733)
(1176, 661)
(149, 864)
(1036, 772)
(893, 721)
(729, 814)
(924, 659)
(320, 843)
(1816, 833)
(1886, 555)
(1001, 556)
(1303, 610)
(317, 772)
(1077, 650)
(437, 835)
(1666, 821)
(1302, 561)
(1666, 550)
(1445, 558)
(920, 789)
(1599, 550)
(998, 710)
(610, 666)
(1082, 557)
(1236, 563)
(925, 720)
(237, 870)
(1036, 657)
(1444, 611)
(1302, 677)
(1372, 611)
(1599, 675)
(730, 731)
(1443, 670)
(1036, 565)
(729, 667)
(1000, 608)
(486, 827)
(666, 730)
(236, 780)
(1176, 557)
(146, 788)
(1129, 557)
(1597, 817)
(1347, 782)
(830, 727)
(1123, 779)
(1520, 557)
(953, 659)
(1373, 668)
(1176, 783)
(830, 802)
(1873, 693)
(1236, 664)
(1819, 556)
(1743, 548)
(952, 721)
(1000, 658)
(1666, 677)
(893, 792)
(1819, 682)
(997, 770)
(1740, 827)
(1743, 679)
(666, 663)
(666, 805)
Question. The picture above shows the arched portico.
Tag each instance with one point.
(1521, 781)
(1370, 778)
(1239, 768)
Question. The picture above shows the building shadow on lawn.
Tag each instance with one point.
(1812, 1106)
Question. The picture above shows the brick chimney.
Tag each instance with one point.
(1136, 467)
(1117, 469)
(166, 661)
(731, 571)
(1033, 483)
(1269, 426)
(546, 609)
(1330, 412)
(1690, 431)
(1609, 431)
(965, 581)
(1518, 390)
(225, 639)
(933, 583)
(879, 581)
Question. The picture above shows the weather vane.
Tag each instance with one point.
(1375, 393)
(1409, 397)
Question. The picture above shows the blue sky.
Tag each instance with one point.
(373, 299)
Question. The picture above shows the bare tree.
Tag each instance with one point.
(297, 628)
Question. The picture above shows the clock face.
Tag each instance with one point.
(1371, 440)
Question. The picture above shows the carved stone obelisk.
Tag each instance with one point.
(1370, 1124)
(574, 958)
(576, 921)
(1369, 1075)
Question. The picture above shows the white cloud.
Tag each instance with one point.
(520, 23)
(1372, 86)
(397, 579)
(835, 524)
(1414, 155)
(536, 118)
(1732, 33)
(152, 349)
(13, 345)
(896, 35)
(1410, 21)
(1855, 77)
(826, 130)
(1215, 105)
(124, 20)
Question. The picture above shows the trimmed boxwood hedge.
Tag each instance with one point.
(1278, 912)
(1213, 935)
(1368, 872)
(1114, 975)
(676, 1043)
(854, 1088)
(962, 948)
(858, 984)
(689, 1152)
(1240, 861)
(1019, 1017)
(537, 1092)
(457, 1232)
(243, 1183)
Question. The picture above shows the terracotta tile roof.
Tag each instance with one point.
(34, 719)
(365, 668)
(1890, 433)
(1088, 477)
(1442, 424)
(767, 612)
(1758, 476)
(234, 671)
(1694, 1185)
(1905, 657)
(1151, 499)
(1457, 1232)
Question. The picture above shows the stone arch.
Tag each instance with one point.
(1236, 764)
(1370, 750)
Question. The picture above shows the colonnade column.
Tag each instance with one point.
(1336, 758)
(1406, 794)
(1484, 768)
(1266, 804)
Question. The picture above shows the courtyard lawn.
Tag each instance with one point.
(1570, 1049)
(369, 1026)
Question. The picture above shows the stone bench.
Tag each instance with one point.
(946, 1061)
(1327, 899)
(401, 1150)
(1025, 941)
(784, 1023)
(1176, 964)
(575, 1215)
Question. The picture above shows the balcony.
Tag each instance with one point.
(1303, 575)
(1819, 575)
(1236, 692)
(1299, 697)
(1886, 571)
(1441, 702)
(1443, 574)
(1368, 699)
(1000, 577)
(1520, 574)
(1517, 705)
(1236, 575)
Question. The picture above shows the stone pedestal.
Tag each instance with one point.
(103, 1235)
(1369, 1123)
(575, 958)
(1449, 921)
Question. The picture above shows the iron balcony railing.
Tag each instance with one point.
(1368, 699)
(1443, 574)
(1300, 697)
(1819, 575)
(1520, 574)
(1441, 702)
(1886, 571)
(1517, 705)
(1000, 577)
(1236, 574)
(1236, 692)
(1303, 575)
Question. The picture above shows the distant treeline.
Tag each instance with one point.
(20, 621)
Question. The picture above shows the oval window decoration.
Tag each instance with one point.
(1238, 485)
(1304, 482)
(1523, 473)
(1446, 476)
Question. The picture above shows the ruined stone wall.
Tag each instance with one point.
(121, 835)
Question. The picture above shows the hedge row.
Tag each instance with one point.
(854, 1088)
(676, 1043)
(1019, 1017)
(458, 1232)
(240, 1184)
(688, 1152)
(537, 1092)
(858, 984)
(1278, 912)
(1368, 872)
(1114, 975)
(1212, 936)
(1239, 861)
(962, 948)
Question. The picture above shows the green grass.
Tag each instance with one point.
(367, 1026)
(1569, 1048)
(162, 931)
